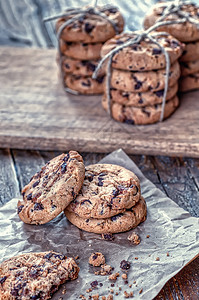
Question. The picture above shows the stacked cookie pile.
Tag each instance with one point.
(104, 199)
(110, 201)
(138, 78)
(80, 46)
(186, 32)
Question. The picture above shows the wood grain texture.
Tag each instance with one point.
(36, 113)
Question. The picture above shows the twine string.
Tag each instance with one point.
(77, 14)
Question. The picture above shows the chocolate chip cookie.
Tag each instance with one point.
(92, 28)
(107, 189)
(119, 223)
(190, 67)
(35, 275)
(81, 51)
(52, 189)
(142, 99)
(141, 115)
(85, 84)
(190, 52)
(189, 82)
(185, 32)
(79, 67)
(145, 56)
(144, 81)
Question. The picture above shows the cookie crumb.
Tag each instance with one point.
(157, 259)
(124, 276)
(126, 295)
(89, 290)
(82, 297)
(103, 297)
(110, 297)
(64, 291)
(167, 253)
(130, 285)
(108, 236)
(148, 236)
(120, 288)
(96, 259)
(125, 265)
(76, 257)
(134, 238)
(140, 292)
(134, 282)
(95, 297)
(116, 293)
(112, 291)
(114, 276)
(136, 258)
(94, 284)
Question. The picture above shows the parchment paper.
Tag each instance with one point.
(171, 229)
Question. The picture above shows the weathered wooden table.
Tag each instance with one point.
(177, 177)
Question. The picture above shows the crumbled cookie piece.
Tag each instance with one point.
(136, 258)
(125, 265)
(114, 276)
(167, 253)
(89, 290)
(82, 297)
(134, 238)
(108, 236)
(95, 297)
(140, 292)
(110, 297)
(97, 259)
(124, 276)
(157, 259)
(147, 236)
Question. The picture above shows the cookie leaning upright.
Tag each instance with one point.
(80, 44)
(35, 275)
(137, 79)
(186, 31)
(52, 189)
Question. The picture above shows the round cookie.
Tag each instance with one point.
(144, 81)
(106, 190)
(144, 56)
(119, 223)
(52, 189)
(190, 67)
(184, 32)
(81, 51)
(141, 115)
(79, 67)
(85, 85)
(142, 99)
(190, 52)
(189, 82)
(92, 28)
(35, 275)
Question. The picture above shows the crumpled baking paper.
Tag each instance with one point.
(170, 229)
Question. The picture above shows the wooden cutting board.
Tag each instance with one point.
(36, 113)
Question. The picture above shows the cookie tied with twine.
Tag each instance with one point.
(181, 13)
(70, 16)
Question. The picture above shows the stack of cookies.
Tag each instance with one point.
(185, 32)
(104, 199)
(138, 79)
(80, 46)
(110, 201)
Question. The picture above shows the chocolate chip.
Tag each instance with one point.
(137, 190)
(114, 218)
(100, 79)
(3, 279)
(108, 236)
(134, 47)
(174, 44)
(63, 167)
(127, 121)
(88, 27)
(20, 208)
(112, 10)
(158, 84)
(100, 182)
(156, 51)
(66, 158)
(87, 220)
(184, 64)
(140, 101)
(125, 265)
(146, 112)
(29, 196)
(84, 44)
(115, 193)
(94, 284)
(138, 85)
(68, 43)
(95, 256)
(91, 66)
(142, 68)
(67, 66)
(38, 206)
(36, 196)
(35, 297)
(159, 93)
(125, 94)
(86, 200)
(35, 183)
(34, 273)
(48, 256)
(86, 83)
(53, 207)
(184, 52)
(89, 177)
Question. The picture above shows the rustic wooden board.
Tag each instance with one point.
(36, 113)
